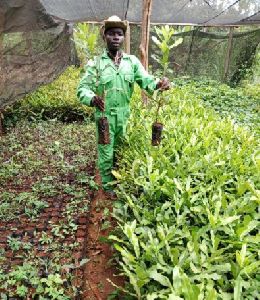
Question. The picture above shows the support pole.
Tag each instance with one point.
(228, 54)
(2, 69)
(147, 8)
(2, 129)
(127, 39)
(194, 32)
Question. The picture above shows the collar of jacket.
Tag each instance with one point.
(105, 55)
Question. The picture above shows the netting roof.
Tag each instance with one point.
(203, 12)
(36, 41)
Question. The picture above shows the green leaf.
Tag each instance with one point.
(155, 40)
(152, 296)
(115, 238)
(125, 253)
(163, 280)
(252, 268)
(238, 288)
(133, 281)
(174, 297)
(240, 256)
(176, 43)
(212, 295)
(129, 230)
(116, 174)
(228, 220)
(190, 291)
(243, 231)
(22, 291)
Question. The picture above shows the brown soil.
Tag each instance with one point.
(27, 230)
(92, 278)
(100, 268)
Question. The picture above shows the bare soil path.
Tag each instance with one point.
(100, 266)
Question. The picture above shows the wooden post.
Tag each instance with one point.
(2, 129)
(2, 69)
(127, 39)
(228, 54)
(191, 48)
(147, 8)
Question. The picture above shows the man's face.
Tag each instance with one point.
(114, 38)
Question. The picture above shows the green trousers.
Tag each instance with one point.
(106, 153)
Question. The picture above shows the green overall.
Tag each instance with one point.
(102, 75)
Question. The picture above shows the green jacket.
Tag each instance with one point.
(118, 83)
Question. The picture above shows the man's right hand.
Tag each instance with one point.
(98, 102)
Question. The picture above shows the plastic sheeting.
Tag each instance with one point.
(199, 12)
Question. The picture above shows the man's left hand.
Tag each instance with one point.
(164, 84)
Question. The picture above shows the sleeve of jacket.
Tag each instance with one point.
(87, 85)
(142, 78)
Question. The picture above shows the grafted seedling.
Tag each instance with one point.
(164, 43)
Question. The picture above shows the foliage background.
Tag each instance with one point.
(57, 100)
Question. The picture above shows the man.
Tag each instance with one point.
(112, 76)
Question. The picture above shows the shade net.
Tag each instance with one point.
(203, 53)
(34, 49)
(36, 40)
(202, 12)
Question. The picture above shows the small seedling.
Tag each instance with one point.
(14, 243)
